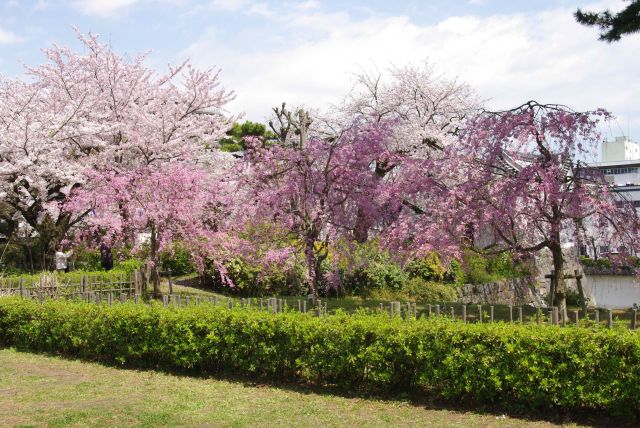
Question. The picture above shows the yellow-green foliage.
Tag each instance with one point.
(528, 366)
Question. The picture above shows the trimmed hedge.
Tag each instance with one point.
(527, 366)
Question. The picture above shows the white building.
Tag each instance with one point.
(619, 150)
(621, 167)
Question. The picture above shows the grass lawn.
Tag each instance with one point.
(38, 390)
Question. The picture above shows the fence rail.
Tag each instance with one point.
(129, 289)
(48, 285)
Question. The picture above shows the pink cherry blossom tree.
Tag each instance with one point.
(521, 175)
(96, 108)
(171, 203)
(428, 111)
(311, 192)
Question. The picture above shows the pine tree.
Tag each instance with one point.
(613, 26)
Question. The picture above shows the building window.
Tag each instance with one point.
(616, 171)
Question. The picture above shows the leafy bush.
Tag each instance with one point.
(253, 280)
(87, 259)
(370, 270)
(475, 268)
(429, 268)
(599, 263)
(527, 366)
(178, 259)
(430, 291)
(12, 258)
(127, 266)
(375, 276)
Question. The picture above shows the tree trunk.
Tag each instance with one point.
(313, 271)
(155, 277)
(361, 230)
(559, 288)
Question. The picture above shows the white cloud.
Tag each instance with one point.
(307, 5)
(8, 37)
(230, 5)
(103, 7)
(248, 7)
(510, 59)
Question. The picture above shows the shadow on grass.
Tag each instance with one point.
(587, 417)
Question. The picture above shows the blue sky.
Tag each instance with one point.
(305, 51)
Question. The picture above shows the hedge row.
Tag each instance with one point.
(526, 366)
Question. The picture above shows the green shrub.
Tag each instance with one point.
(476, 268)
(87, 259)
(365, 280)
(127, 266)
(525, 366)
(430, 291)
(429, 268)
(12, 258)
(178, 260)
(370, 270)
(253, 280)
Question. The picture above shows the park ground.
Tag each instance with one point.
(39, 390)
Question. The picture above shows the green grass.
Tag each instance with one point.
(38, 390)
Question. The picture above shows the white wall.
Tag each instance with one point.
(620, 149)
(613, 291)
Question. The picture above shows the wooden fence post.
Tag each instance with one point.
(510, 313)
(609, 318)
(464, 314)
(520, 314)
(576, 314)
(480, 313)
(437, 310)
(491, 313)
(429, 310)
(597, 317)
(170, 281)
(634, 314)
(165, 300)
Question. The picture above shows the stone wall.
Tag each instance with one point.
(516, 291)
(544, 266)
